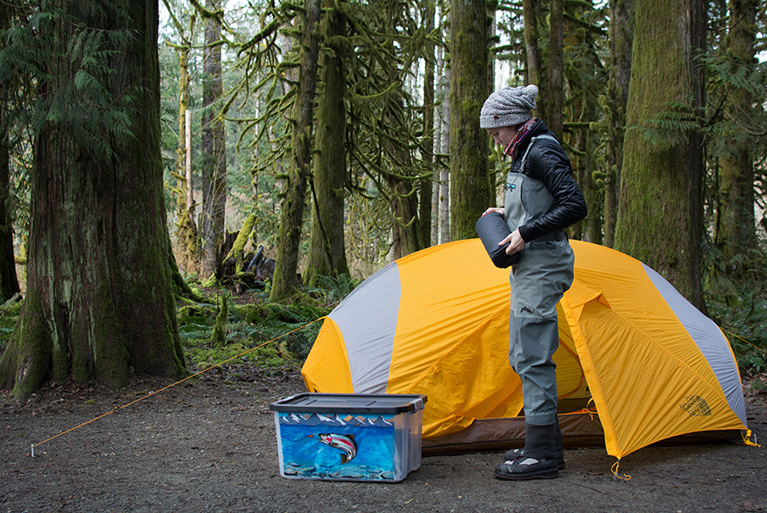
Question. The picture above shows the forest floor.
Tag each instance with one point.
(209, 444)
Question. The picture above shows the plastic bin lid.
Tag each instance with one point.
(351, 403)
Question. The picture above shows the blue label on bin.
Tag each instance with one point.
(337, 446)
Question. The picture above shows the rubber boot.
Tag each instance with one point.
(539, 460)
(513, 454)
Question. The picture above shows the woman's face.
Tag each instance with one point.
(503, 135)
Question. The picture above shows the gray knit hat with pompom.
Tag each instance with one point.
(509, 106)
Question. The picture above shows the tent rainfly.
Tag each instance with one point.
(637, 363)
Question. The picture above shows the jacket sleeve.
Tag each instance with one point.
(548, 163)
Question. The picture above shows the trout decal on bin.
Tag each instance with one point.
(344, 443)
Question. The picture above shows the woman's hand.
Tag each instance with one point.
(497, 210)
(516, 243)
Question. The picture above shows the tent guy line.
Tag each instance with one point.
(117, 408)
(744, 340)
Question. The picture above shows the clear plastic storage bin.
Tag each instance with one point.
(349, 437)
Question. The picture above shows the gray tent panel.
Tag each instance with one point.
(369, 315)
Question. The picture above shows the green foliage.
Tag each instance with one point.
(219, 328)
(333, 289)
(9, 315)
(279, 333)
(728, 80)
(736, 296)
(72, 65)
(670, 127)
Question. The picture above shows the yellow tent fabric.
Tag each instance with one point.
(436, 323)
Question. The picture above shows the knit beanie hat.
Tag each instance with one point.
(508, 107)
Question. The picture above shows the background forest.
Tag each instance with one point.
(158, 156)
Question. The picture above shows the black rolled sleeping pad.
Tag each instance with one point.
(492, 229)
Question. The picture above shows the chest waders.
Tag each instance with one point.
(538, 281)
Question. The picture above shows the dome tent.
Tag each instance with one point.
(436, 323)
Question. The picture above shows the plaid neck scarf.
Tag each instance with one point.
(513, 147)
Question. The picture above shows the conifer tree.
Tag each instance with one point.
(327, 250)
(660, 216)
(9, 283)
(295, 183)
(213, 143)
(99, 302)
(621, 34)
(188, 235)
(737, 227)
(470, 192)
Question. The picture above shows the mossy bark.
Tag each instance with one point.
(327, 249)
(737, 225)
(621, 32)
(660, 218)
(99, 301)
(534, 71)
(555, 90)
(583, 76)
(294, 199)
(470, 192)
(188, 235)
(427, 222)
(238, 249)
(213, 147)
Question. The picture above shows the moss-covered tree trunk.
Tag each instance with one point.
(444, 145)
(660, 218)
(99, 301)
(213, 145)
(294, 199)
(534, 69)
(555, 90)
(737, 228)
(621, 33)
(188, 235)
(583, 75)
(9, 283)
(425, 203)
(470, 192)
(401, 185)
(327, 250)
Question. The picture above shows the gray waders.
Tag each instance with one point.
(538, 281)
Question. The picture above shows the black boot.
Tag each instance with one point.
(539, 459)
(513, 454)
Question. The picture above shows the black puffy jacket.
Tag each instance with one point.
(548, 162)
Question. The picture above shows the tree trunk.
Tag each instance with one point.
(660, 219)
(584, 75)
(470, 192)
(99, 298)
(9, 283)
(737, 225)
(294, 200)
(555, 98)
(444, 173)
(188, 237)
(621, 36)
(327, 250)
(534, 67)
(425, 193)
(213, 147)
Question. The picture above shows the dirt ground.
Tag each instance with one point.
(209, 444)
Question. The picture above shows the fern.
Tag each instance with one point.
(672, 126)
(68, 65)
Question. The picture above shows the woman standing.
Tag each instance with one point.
(542, 199)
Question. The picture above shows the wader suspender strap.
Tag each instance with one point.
(524, 157)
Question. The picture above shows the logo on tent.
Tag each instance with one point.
(695, 406)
